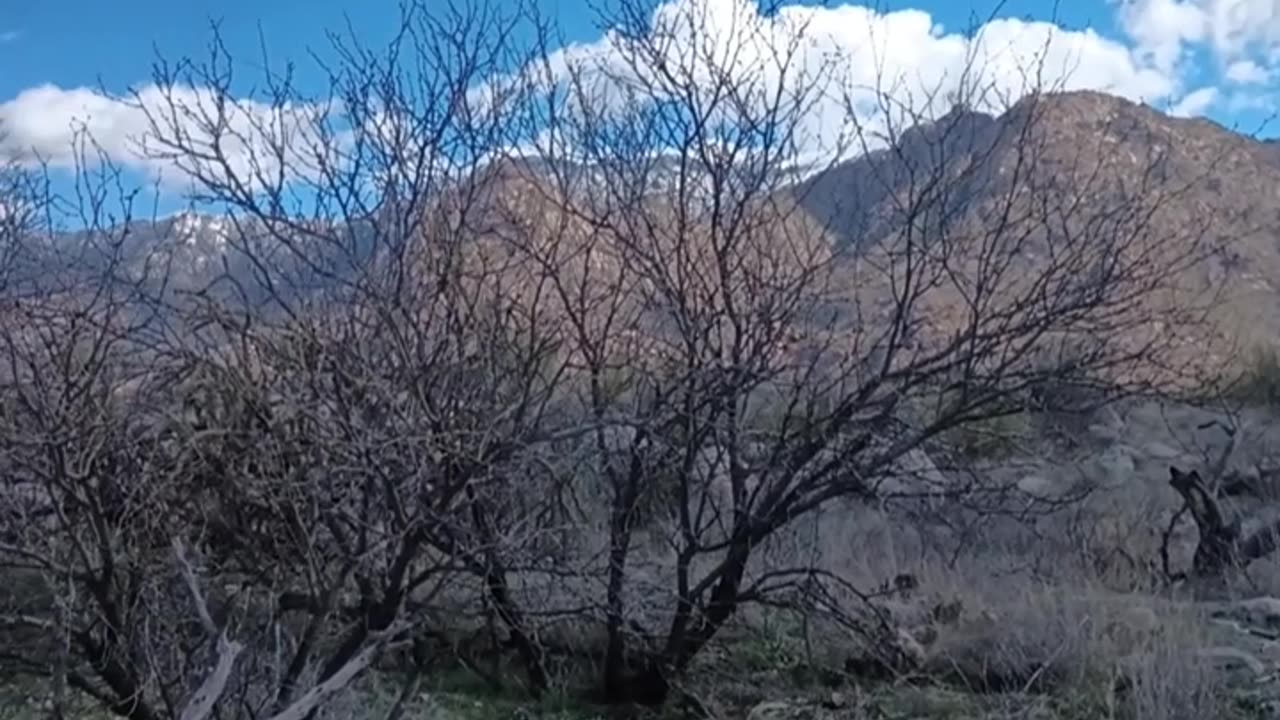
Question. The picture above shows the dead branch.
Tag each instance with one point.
(1220, 546)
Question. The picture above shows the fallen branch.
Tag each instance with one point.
(313, 698)
(201, 705)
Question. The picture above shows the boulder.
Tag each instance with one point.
(1238, 666)
(1161, 451)
(1106, 432)
(1037, 485)
(1261, 612)
(1111, 469)
(788, 710)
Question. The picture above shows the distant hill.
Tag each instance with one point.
(1052, 167)
(1089, 151)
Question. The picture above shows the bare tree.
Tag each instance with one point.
(298, 448)
(477, 303)
(758, 365)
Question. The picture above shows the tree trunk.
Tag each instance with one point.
(1221, 546)
(653, 685)
(127, 700)
(531, 653)
(615, 682)
(495, 579)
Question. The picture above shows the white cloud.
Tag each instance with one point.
(1246, 72)
(1195, 102)
(845, 56)
(1244, 27)
(1231, 31)
(850, 56)
(1162, 29)
(8, 36)
(53, 124)
(42, 121)
(1252, 101)
(1229, 43)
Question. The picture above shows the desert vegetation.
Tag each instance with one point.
(526, 380)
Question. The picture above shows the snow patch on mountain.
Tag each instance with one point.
(192, 228)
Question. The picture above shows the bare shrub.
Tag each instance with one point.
(553, 338)
(732, 289)
(234, 491)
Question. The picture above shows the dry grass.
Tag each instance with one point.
(1041, 622)
(1169, 681)
(1055, 620)
(1053, 649)
(1058, 616)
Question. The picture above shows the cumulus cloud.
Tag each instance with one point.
(1247, 72)
(1162, 30)
(1241, 28)
(41, 123)
(1241, 36)
(844, 57)
(1234, 44)
(64, 126)
(1195, 102)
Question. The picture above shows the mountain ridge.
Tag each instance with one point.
(1215, 185)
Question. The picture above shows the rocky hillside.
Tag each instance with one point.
(1209, 192)
(1080, 168)
(1049, 170)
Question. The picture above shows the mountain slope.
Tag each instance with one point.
(1048, 188)
(1064, 166)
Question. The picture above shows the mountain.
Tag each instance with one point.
(853, 199)
(1049, 169)
(1090, 160)
(566, 242)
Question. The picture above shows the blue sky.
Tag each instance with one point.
(79, 42)
(72, 43)
(1216, 58)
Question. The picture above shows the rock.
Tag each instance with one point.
(1238, 665)
(910, 648)
(1261, 612)
(915, 470)
(947, 613)
(1160, 451)
(925, 635)
(1037, 485)
(1113, 468)
(1141, 618)
(783, 710)
(1120, 460)
(837, 700)
(1105, 432)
